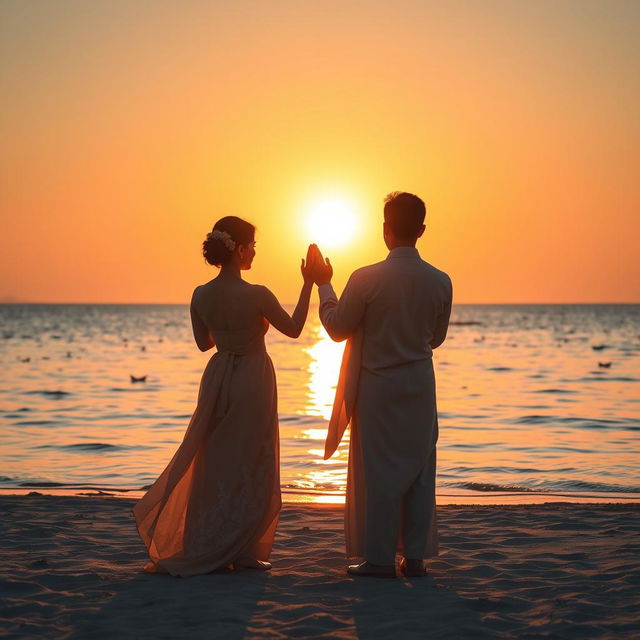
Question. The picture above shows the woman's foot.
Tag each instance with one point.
(245, 562)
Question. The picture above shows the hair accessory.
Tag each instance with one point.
(224, 237)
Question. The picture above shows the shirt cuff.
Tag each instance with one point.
(326, 292)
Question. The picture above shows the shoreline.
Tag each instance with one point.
(489, 498)
(73, 569)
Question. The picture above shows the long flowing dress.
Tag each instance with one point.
(219, 496)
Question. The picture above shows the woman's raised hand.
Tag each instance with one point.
(308, 266)
(323, 271)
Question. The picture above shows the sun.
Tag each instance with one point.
(331, 223)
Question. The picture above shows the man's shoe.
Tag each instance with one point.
(413, 568)
(251, 563)
(373, 570)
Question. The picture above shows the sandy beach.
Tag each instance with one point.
(71, 568)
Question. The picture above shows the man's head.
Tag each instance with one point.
(404, 216)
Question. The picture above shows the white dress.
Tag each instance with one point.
(219, 496)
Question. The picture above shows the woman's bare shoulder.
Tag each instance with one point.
(217, 287)
(262, 293)
(259, 289)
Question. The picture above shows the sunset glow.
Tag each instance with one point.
(331, 223)
(127, 133)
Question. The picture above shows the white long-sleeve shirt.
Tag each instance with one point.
(402, 304)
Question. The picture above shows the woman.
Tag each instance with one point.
(218, 500)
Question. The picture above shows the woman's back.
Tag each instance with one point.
(230, 309)
(226, 303)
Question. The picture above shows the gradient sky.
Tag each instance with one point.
(128, 127)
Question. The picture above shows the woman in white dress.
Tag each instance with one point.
(217, 502)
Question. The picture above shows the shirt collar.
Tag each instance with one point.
(404, 252)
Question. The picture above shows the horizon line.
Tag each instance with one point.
(185, 304)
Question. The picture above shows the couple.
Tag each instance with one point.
(217, 502)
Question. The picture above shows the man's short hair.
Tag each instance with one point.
(404, 214)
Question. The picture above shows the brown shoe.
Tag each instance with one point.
(413, 568)
(372, 570)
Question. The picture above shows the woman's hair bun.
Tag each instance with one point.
(223, 239)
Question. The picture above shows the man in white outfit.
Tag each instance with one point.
(393, 314)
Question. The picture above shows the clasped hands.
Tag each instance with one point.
(316, 268)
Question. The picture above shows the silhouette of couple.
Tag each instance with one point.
(217, 502)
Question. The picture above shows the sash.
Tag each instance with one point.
(346, 393)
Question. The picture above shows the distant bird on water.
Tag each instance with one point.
(604, 365)
(138, 379)
(599, 347)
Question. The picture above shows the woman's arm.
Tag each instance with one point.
(201, 333)
(272, 310)
(289, 325)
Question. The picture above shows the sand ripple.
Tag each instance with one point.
(72, 569)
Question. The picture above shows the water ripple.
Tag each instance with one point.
(545, 421)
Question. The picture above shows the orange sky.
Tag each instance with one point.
(128, 128)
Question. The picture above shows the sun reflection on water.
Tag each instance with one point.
(313, 434)
(324, 369)
(326, 476)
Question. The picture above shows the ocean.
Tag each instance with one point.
(534, 401)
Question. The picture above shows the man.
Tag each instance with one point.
(393, 314)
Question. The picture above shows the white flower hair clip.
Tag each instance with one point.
(224, 237)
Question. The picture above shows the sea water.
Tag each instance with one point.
(532, 400)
